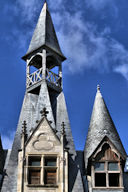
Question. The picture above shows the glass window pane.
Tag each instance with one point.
(34, 177)
(113, 179)
(50, 177)
(50, 161)
(99, 166)
(113, 167)
(34, 161)
(100, 179)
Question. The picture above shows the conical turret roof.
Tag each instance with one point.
(44, 34)
(101, 125)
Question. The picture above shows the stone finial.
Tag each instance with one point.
(44, 112)
(98, 88)
(63, 128)
(24, 128)
(24, 131)
(45, 1)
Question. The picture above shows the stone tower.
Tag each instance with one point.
(44, 90)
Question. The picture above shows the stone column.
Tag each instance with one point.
(27, 73)
(44, 64)
(60, 75)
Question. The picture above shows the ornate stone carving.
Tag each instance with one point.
(43, 142)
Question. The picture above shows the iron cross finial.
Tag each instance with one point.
(44, 112)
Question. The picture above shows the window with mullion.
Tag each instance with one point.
(100, 174)
(114, 172)
(42, 170)
(50, 170)
(34, 170)
(107, 174)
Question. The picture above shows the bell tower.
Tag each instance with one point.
(43, 90)
(44, 63)
(44, 57)
(43, 66)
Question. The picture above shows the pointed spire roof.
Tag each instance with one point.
(101, 125)
(44, 34)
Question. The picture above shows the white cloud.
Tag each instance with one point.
(98, 4)
(123, 70)
(54, 5)
(80, 40)
(86, 48)
(120, 57)
(28, 8)
(7, 140)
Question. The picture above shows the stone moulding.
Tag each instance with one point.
(43, 142)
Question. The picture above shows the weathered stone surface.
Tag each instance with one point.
(62, 116)
(44, 101)
(27, 113)
(42, 130)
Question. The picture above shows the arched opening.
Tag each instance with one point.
(53, 70)
(34, 70)
(36, 61)
(51, 62)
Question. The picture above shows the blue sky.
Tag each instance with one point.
(93, 37)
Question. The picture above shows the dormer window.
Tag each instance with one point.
(109, 174)
(106, 169)
(42, 170)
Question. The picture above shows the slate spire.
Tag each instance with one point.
(101, 125)
(44, 34)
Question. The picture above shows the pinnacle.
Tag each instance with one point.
(63, 128)
(98, 87)
(24, 128)
(45, 4)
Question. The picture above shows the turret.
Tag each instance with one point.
(44, 57)
(104, 153)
